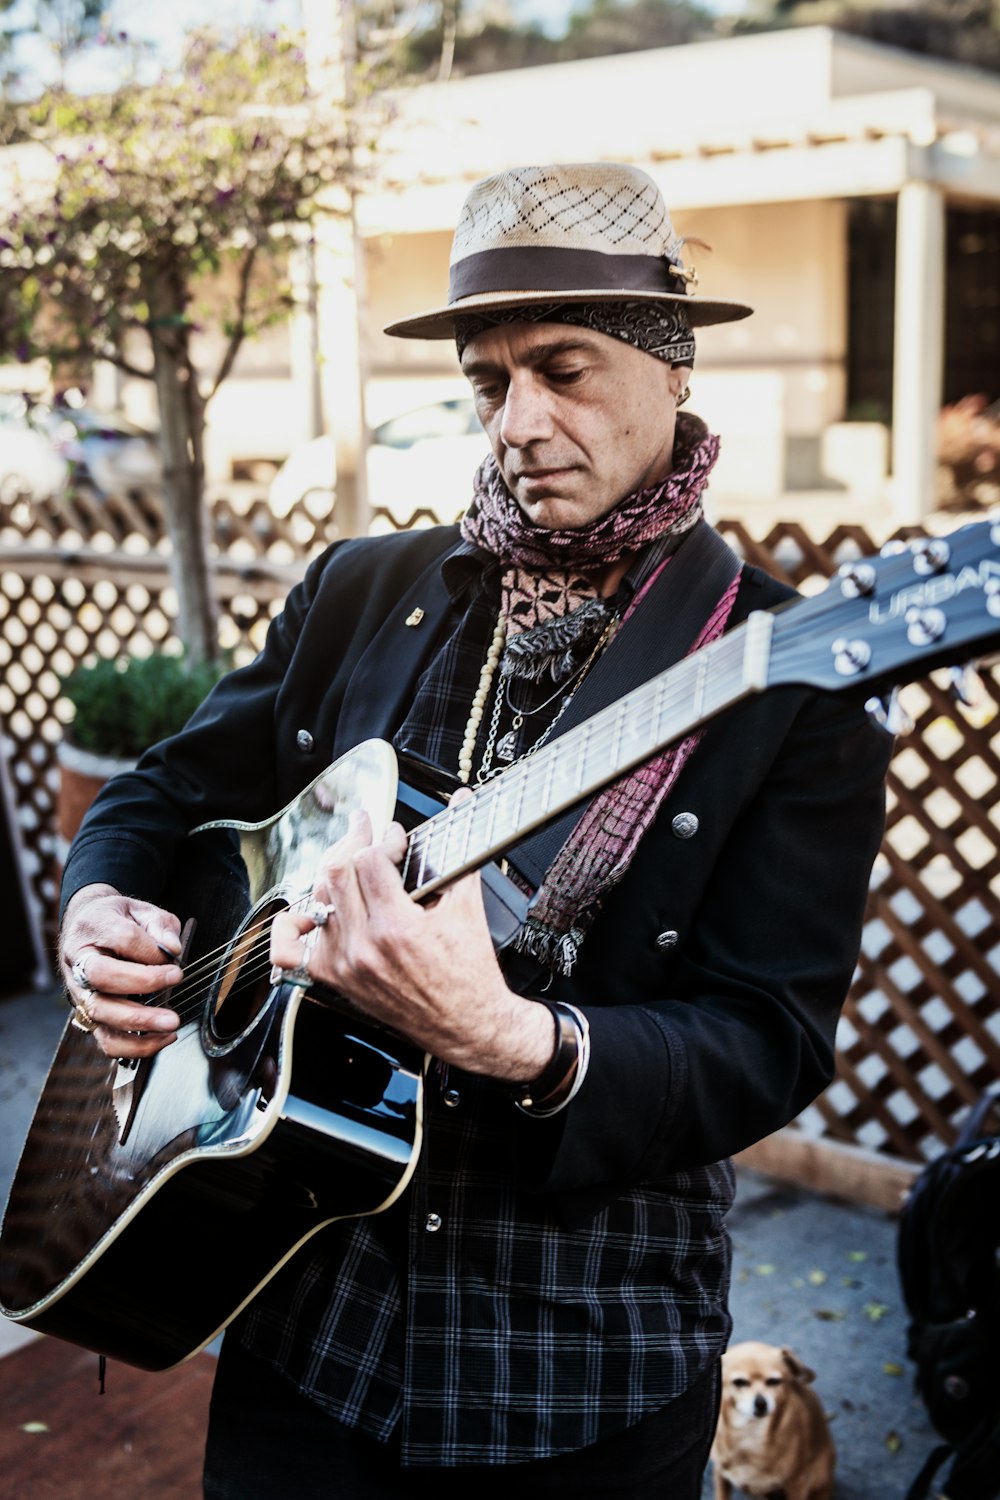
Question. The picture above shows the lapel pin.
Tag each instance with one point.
(415, 617)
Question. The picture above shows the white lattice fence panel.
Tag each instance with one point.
(921, 1031)
(54, 613)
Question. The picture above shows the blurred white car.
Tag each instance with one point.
(422, 459)
(45, 450)
(113, 456)
(30, 467)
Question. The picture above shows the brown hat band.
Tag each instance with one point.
(549, 268)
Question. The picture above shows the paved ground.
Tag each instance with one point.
(820, 1276)
(809, 1272)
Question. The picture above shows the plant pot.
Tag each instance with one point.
(82, 773)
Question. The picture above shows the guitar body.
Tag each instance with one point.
(152, 1201)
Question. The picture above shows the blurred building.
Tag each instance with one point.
(850, 192)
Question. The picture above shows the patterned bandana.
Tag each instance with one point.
(554, 613)
(660, 329)
(548, 576)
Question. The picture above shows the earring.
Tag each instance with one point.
(685, 393)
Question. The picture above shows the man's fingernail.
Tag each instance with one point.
(171, 947)
(165, 1023)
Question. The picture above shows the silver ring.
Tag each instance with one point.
(78, 974)
(320, 912)
(300, 975)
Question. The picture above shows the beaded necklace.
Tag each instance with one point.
(482, 694)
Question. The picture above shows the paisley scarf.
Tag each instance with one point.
(555, 614)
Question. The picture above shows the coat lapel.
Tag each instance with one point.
(381, 684)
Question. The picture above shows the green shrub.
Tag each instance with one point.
(122, 707)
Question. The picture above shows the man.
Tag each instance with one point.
(546, 1304)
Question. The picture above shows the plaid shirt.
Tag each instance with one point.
(468, 1319)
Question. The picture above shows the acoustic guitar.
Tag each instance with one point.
(279, 1109)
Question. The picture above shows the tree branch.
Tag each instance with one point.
(239, 332)
(120, 362)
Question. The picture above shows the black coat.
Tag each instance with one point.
(714, 975)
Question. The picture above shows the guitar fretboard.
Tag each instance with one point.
(578, 763)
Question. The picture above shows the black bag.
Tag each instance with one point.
(949, 1266)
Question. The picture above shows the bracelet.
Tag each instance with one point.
(562, 1078)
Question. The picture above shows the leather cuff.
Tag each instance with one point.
(561, 1079)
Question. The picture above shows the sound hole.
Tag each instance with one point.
(245, 984)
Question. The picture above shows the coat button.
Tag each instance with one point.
(432, 1223)
(685, 825)
(452, 1098)
(304, 741)
(667, 940)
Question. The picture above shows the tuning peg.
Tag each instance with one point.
(850, 657)
(889, 714)
(930, 555)
(965, 685)
(857, 579)
(925, 626)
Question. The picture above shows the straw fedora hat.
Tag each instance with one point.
(585, 232)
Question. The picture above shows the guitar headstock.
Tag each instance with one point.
(886, 620)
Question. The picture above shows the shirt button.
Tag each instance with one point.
(304, 741)
(432, 1223)
(452, 1098)
(685, 825)
(667, 940)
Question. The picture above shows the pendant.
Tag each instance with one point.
(507, 743)
(507, 746)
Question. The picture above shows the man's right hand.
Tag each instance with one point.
(113, 950)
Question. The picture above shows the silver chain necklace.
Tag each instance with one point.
(506, 748)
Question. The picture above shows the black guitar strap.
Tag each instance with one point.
(670, 617)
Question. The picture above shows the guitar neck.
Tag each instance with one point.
(567, 770)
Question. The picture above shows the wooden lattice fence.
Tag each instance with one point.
(920, 1037)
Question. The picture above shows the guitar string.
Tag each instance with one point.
(207, 968)
(420, 841)
(441, 826)
(594, 742)
(811, 626)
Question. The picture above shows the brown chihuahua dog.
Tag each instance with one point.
(772, 1435)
